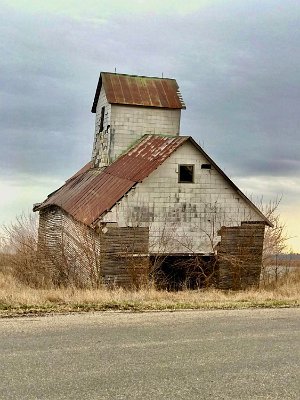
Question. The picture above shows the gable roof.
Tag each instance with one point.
(139, 91)
(92, 191)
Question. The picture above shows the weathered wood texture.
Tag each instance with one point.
(72, 253)
(124, 256)
(70, 249)
(240, 255)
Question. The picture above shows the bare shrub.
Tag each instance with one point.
(275, 244)
(27, 257)
(75, 259)
(72, 255)
(283, 274)
(19, 252)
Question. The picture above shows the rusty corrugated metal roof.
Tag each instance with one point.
(85, 168)
(145, 157)
(91, 192)
(139, 91)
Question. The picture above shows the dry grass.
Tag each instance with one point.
(18, 299)
(26, 285)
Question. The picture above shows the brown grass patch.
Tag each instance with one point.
(18, 299)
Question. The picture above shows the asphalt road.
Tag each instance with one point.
(246, 354)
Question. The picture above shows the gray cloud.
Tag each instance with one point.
(237, 67)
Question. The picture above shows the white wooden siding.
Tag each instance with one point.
(123, 125)
(129, 123)
(182, 217)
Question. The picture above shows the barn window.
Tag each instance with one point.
(186, 174)
(102, 119)
(205, 166)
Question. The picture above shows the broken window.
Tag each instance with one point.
(102, 119)
(186, 174)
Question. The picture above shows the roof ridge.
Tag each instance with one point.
(137, 76)
(140, 139)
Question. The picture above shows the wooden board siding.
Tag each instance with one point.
(72, 252)
(240, 255)
(124, 256)
(70, 249)
(49, 232)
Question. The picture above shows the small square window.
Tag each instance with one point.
(186, 174)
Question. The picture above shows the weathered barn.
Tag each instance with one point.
(150, 201)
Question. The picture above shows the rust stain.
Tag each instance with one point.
(139, 90)
(91, 191)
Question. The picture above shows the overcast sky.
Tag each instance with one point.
(237, 63)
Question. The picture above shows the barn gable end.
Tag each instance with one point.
(186, 216)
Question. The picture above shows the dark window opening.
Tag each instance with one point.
(186, 173)
(205, 166)
(102, 119)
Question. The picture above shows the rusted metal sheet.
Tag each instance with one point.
(85, 168)
(88, 195)
(145, 157)
(139, 90)
(91, 192)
